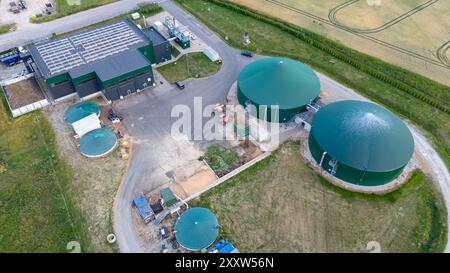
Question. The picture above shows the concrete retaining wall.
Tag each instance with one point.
(229, 175)
(27, 108)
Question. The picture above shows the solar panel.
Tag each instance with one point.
(89, 46)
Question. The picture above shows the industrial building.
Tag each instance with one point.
(285, 83)
(115, 59)
(360, 142)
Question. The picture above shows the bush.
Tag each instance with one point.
(149, 9)
(220, 159)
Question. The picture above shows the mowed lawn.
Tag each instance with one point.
(281, 205)
(191, 65)
(36, 214)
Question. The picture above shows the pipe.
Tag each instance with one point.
(323, 157)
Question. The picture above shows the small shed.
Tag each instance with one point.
(168, 198)
(212, 54)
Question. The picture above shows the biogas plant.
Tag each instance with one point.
(360, 143)
(360, 146)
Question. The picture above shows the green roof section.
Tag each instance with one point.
(289, 84)
(168, 197)
(362, 136)
(197, 228)
(98, 143)
(81, 110)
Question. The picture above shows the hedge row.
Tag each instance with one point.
(411, 83)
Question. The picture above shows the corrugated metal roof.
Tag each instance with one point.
(119, 65)
(363, 135)
(80, 50)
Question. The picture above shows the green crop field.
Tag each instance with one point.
(282, 205)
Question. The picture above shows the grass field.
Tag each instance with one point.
(422, 33)
(191, 65)
(269, 40)
(36, 212)
(64, 8)
(282, 205)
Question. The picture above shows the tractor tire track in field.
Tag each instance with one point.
(333, 13)
(396, 48)
(441, 53)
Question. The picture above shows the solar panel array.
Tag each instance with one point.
(85, 47)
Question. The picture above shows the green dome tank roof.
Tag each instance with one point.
(279, 81)
(363, 135)
(98, 142)
(197, 228)
(81, 110)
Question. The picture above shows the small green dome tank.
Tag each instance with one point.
(81, 110)
(98, 143)
(197, 228)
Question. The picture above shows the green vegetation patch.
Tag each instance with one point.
(149, 9)
(281, 205)
(4, 29)
(63, 8)
(191, 65)
(220, 159)
(37, 214)
(410, 95)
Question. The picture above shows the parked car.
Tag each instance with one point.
(247, 54)
(180, 85)
(22, 4)
(143, 208)
(164, 233)
(193, 37)
(113, 117)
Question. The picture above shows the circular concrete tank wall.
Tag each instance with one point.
(197, 228)
(283, 82)
(360, 142)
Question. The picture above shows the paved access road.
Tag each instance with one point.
(30, 32)
(148, 118)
